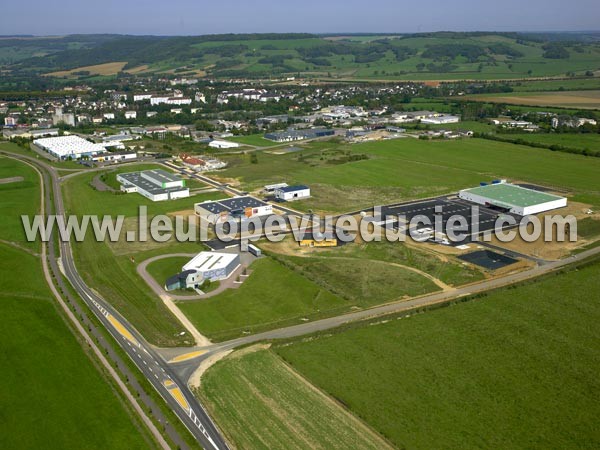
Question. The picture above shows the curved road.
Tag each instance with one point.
(158, 372)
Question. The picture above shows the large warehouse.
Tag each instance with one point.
(157, 185)
(204, 266)
(515, 199)
(218, 211)
(65, 147)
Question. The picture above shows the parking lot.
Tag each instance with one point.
(479, 219)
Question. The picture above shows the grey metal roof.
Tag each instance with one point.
(136, 179)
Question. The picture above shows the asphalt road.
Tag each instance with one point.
(156, 370)
(185, 368)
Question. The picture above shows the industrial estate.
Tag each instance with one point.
(296, 336)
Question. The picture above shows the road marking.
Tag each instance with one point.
(122, 330)
(187, 356)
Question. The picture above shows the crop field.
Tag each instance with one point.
(260, 403)
(571, 99)
(516, 368)
(46, 369)
(111, 68)
(405, 169)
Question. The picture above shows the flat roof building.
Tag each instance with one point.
(298, 135)
(204, 266)
(65, 147)
(157, 185)
(235, 208)
(515, 199)
(291, 193)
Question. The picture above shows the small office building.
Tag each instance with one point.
(291, 193)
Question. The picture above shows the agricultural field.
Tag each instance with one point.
(49, 370)
(405, 169)
(511, 369)
(430, 56)
(568, 99)
(261, 403)
(575, 84)
(111, 68)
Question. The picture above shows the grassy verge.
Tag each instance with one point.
(513, 370)
(54, 391)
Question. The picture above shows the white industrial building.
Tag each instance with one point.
(65, 147)
(223, 144)
(235, 208)
(291, 193)
(157, 185)
(440, 120)
(204, 266)
(513, 198)
(114, 157)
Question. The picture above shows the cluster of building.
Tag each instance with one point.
(257, 95)
(291, 135)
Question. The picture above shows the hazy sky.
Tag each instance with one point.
(192, 17)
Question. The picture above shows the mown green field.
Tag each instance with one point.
(405, 169)
(272, 296)
(362, 282)
(517, 368)
(111, 267)
(20, 196)
(53, 393)
(259, 403)
(82, 198)
(581, 141)
(256, 140)
(165, 268)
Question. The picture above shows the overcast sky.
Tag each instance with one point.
(193, 17)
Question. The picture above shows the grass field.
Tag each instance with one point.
(363, 282)
(82, 198)
(515, 369)
(260, 403)
(447, 270)
(256, 140)
(589, 99)
(111, 267)
(272, 296)
(405, 169)
(22, 196)
(46, 370)
(588, 141)
(164, 268)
